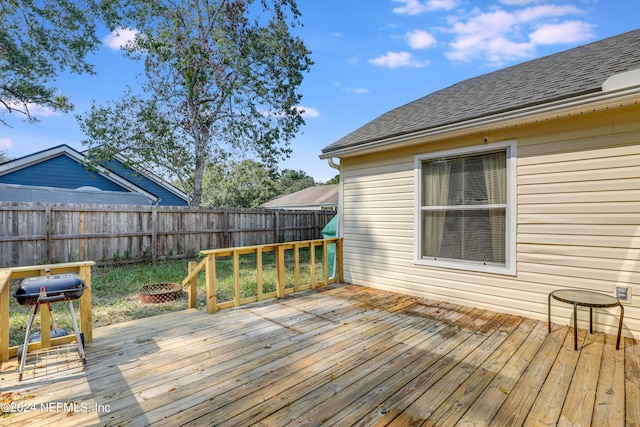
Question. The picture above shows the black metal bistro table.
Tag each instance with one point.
(586, 299)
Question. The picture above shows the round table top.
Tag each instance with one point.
(585, 298)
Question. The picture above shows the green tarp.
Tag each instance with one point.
(331, 230)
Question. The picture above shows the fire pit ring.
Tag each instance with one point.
(157, 293)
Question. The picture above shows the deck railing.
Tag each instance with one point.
(209, 266)
(83, 269)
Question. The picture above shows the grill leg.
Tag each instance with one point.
(25, 346)
(77, 331)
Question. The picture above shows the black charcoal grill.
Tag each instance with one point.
(45, 290)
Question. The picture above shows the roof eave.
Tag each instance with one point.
(153, 177)
(584, 104)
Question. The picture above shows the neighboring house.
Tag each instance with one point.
(499, 189)
(83, 195)
(62, 167)
(316, 197)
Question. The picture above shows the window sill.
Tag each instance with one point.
(468, 266)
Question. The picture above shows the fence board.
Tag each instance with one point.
(38, 233)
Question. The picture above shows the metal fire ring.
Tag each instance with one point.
(158, 293)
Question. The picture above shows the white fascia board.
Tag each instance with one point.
(590, 103)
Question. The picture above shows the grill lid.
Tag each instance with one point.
(58, 287)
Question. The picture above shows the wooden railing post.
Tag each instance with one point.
(5, 275)
(210, 277)
(86, 317)
(192, 291)
(296, 266)
(280, 292)
(325, 262)
(312, 264)
(339, 262)
(259, 281)
(45, 326)
(236, 279)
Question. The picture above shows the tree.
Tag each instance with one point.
(245, 184)
(38, 40)
(291, 181)
(334, 180)
(4, 156)
(221, 77)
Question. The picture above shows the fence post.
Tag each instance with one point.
(316, 227)
(154, 233)
(226, 239)
(276, 226)
(47, 238)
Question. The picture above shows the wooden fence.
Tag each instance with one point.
(39, 233)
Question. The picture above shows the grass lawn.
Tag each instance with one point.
(115, 289)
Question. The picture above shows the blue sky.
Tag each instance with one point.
(370, 56)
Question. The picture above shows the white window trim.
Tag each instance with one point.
(511, 212)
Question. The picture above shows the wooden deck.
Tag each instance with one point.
(338, 356)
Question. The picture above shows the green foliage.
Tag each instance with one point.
(245, 184)
(248, 184)
(4, 156)
(221, 78)
(291, 181)
(334, 180)
(38, 40)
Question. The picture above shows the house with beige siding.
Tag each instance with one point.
(500, 189)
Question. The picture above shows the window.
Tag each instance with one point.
(465, 209)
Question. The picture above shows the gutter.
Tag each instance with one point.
(585, 104)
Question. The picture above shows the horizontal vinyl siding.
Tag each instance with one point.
(578, 222)
(59, 172)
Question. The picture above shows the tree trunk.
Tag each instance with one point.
(197, 181)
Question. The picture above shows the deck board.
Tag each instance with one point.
(337, 355)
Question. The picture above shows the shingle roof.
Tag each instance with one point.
(29, 193)
(575, 72)
(310, 196)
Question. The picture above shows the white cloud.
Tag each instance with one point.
(397, 60)
(420, 39)
(119, 38)
(34, 109)
(5, 143)
(308, 112)
(498, 35)
(518, 2)
(565, 32)
(416, 7)
(336, 34)
(39, 110)
(350, 89)
(547, 11)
